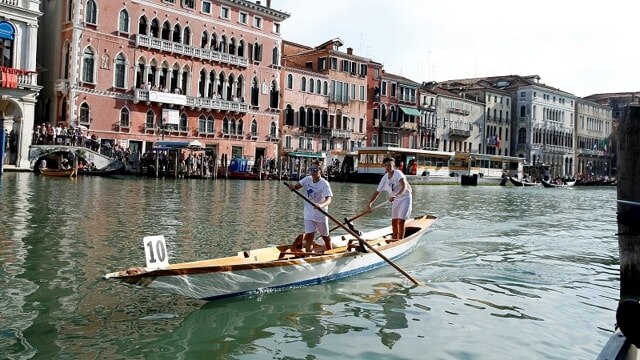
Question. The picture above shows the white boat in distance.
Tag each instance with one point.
(277, 267)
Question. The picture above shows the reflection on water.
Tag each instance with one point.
(530, 273)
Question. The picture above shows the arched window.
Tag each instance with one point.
(273, 130)
(210, 125)
(289, 81)
(232, 127)
(318, 86)
(166, 31)
(288, 115)
(125, 121)
(186, 36)
(275, 56)
(225, 126)
(223, 44)
(149, 120)
(85, 114)
(312, 85)
(123, 21)
(303, 84)
(204, 39)
(7, 35)
(155, 28)
(183, 122)
(241, 48)
(232, 46)
(240, 129)
(91, 14)
(202, 124)
(142, 25)
(254, 128)
(177, 33)
(274, 95)
(302, 117)
(88, 65)
(255, 92)
(120, 71)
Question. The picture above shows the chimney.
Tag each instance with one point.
(350, 51)
(269, 3)
(258, 2)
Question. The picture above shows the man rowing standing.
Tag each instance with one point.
(395, 183)
(319, 192)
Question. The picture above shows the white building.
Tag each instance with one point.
(19, 80)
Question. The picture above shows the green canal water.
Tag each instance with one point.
(534, 273)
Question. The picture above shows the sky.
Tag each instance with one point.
(580, 47)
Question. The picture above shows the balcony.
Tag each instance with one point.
(409, 126)
(190, 51)
(16, 78)
(459, 133)
(458, 111)
(21, 4)
(62, 85)
(184, 100)
(337, 133)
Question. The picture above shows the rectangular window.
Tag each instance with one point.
(345, 65)
(243, 18)
(362, 92)
(225, 12)
(276, 28)
(383, 88)
(322, 63)
(188, 4)
(287, 141)
(257, 22)
(206, 6)
(333, 63)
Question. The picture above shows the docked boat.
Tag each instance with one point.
(58, 172)
(274, 268)
(115, 168)
(552, 184)
(523, 183)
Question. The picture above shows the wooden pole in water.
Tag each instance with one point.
(629, 190)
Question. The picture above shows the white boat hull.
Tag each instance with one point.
(249, 274)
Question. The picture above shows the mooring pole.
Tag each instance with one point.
(628, 181)
(625, 341)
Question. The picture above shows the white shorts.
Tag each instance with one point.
(311, 226)
(401, 209)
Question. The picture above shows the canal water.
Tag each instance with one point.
(526, 273)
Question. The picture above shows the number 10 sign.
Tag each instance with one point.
(155, 250)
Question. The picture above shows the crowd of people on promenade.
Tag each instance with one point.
(47, 134)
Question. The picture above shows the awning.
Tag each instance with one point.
(410, 111)
(309, 155)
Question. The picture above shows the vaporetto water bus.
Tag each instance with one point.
(431, 166)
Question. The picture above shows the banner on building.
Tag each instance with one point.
(170, 117)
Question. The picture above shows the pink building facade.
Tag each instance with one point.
(138, 72)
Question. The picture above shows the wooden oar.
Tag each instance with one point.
(361, 240)
(348, 221)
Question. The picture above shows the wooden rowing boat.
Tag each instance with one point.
(58, 172)
(523, 183)
(273, 268)
(551, 184)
